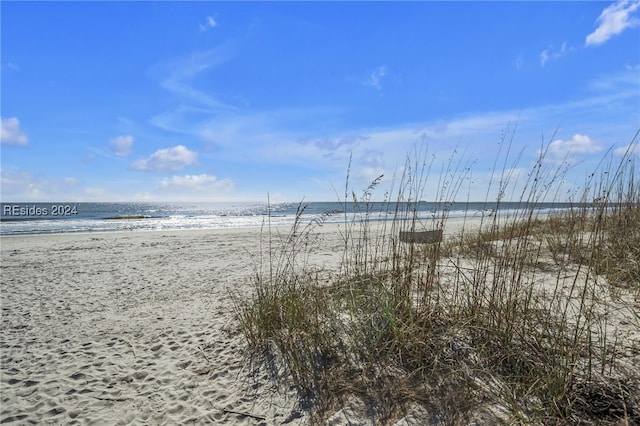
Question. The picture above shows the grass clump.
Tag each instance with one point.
(509, 323)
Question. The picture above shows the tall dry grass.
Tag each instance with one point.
(511, 321)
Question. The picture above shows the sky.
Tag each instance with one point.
(281, 101)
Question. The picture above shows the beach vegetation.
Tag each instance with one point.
(523, 318)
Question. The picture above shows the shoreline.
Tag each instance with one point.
(455, 223)
(147, 223)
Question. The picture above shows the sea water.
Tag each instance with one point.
(65, 217)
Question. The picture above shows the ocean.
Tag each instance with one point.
(64, 217)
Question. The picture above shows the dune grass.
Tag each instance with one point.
(513, 322)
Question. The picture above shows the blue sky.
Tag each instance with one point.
(231, 101)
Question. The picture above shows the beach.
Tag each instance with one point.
(139, 328)
(136, 328)
(120, 328)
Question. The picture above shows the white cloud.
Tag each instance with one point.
(121, 146)
(375, 78)
(210, 22)
(613, 20)
(631, 149)
(560, 150)
(168, 159)
(552, 53)
(196, 183)
(11, 133)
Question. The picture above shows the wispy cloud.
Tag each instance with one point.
(331, 144)
(11, 133)
(544, 57)
(210, 22)
(21, 185)
(519, 62)
(10, 66)
(552, 53)
(168, 159)
(190, 104)
(375, 77)
(17, 184)
(275, 138)
(202, 183)
(122, 145)
(613, 20)
(177, 76)
(372, 166)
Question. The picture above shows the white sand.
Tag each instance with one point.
(120, 328)
(137, 328)
(127, 328)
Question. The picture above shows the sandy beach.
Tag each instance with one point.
(138, 328)
(135, 328)
(122, 328)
